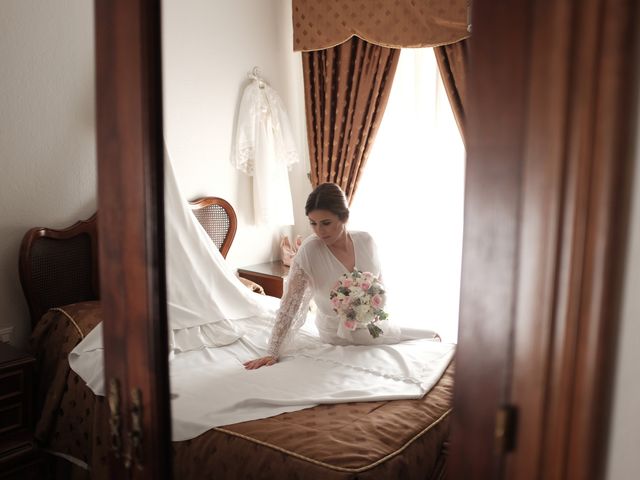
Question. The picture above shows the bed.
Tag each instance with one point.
(386, 439)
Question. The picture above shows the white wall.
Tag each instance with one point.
(208, 49)
(47, 131)
(47, 125)
(624, 440)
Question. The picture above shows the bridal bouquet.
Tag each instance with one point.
(358, 298)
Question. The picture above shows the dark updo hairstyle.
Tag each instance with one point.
(328, 196)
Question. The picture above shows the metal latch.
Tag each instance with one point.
(505, 431)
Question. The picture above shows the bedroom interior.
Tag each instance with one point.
(516, 221)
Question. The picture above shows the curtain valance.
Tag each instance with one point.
(320, 24)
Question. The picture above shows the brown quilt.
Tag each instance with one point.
(365, 440)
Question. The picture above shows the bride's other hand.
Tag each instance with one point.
(260, 362)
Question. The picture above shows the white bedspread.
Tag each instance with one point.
(210, 387)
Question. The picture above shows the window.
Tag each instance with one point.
(410, 198)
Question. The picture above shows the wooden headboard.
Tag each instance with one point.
(59, 267)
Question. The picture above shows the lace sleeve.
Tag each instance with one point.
(293, 309)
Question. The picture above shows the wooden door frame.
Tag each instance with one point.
(549, 149)
(131, 235)
(551, 123)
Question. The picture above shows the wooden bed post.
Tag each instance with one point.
(131, 230)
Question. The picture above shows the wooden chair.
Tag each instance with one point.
(219, 220)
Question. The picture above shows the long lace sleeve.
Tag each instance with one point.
(293, 308)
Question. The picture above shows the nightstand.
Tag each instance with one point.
(19, 457)
(269, 275)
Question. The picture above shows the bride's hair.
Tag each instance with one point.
(328, 196)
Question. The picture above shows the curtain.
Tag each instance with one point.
(453, 64)
(419, 160)
(319, 24)
(346, 92)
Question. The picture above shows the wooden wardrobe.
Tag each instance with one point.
(552, 90)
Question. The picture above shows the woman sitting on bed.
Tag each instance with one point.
(321, 260)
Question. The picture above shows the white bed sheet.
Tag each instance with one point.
(210, 386)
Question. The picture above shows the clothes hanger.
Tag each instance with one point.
(255, 75)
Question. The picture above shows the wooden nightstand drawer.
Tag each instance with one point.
(22, 461)
(16, 391)
(11, 384)
(12, 417)
(19, 456)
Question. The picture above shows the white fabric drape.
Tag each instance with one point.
(210, 387)
(209, 307)
(204, 295)
(265, 149)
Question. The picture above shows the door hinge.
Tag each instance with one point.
(505, 431)
(115, 420)
(133, 455)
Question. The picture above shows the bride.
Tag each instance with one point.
(321, 260)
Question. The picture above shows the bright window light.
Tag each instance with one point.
(410, 198)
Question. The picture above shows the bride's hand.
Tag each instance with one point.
(260, 362)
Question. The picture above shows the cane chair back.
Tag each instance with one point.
(218, 219)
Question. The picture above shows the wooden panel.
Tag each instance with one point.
(21, 460)
(131, 246)
(552, 97)
(543, 196)
(11, 417)
(11, 383)
(497, 92)
(577, 159)
(16, 393)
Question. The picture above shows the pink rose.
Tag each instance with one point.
(346, 283)
(350, 324)
(376, 301)
(365, 286)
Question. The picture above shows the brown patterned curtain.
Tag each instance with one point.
(346, 92)
(453, 64)
(319, 24)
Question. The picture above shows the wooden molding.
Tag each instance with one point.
(131, 228)
(495, 135)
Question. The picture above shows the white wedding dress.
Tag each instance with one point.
(216, 324)
(314, 272)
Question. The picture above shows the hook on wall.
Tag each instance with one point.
(255, 75)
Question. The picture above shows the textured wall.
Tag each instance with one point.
(47, 130)
(47, 126)
(209, 47)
